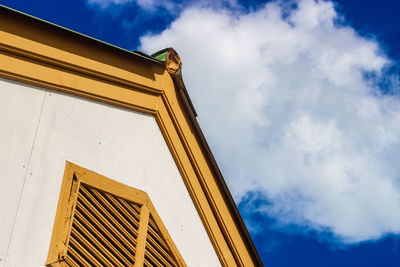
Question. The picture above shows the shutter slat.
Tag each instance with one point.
(106, 251)
(105, 222)
(152, 229)
(75, 254)
(153, 224)
(146, 263)
(110, 219)
(161, 253)
(121, 209)
(153, 259)
(130, 209)
(114, 236)
(136, 207)
(104, 237)
(79, 237)
(84, 252)
(71, 262)
(155, 248)
(155, 234)
(117, 214)
(157, 239)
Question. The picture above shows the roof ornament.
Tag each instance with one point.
(173, 64)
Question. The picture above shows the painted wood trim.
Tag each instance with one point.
(62, 222)
(155, 96)
(142, 235)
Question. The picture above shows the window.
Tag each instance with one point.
(101, 222)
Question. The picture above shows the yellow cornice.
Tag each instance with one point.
(42, 55)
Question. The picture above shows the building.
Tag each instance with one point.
(102, 161)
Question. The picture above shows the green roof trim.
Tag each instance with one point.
(161, 57)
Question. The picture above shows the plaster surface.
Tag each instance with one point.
(20, 108)
(120, 144)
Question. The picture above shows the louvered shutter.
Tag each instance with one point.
(104, 228)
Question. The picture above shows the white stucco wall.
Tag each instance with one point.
(40, 130)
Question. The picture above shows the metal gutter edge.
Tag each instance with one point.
(173, 65)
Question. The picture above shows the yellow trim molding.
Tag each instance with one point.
(34, 52)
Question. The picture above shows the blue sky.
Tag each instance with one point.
(309, 96)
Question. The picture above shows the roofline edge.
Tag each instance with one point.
(176, 75)
(136, 53)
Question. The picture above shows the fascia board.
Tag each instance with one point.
(66, 30)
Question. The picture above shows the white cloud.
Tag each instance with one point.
(286, 107)
(147, 5)
(106, 3)
(173, 7)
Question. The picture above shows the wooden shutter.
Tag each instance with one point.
(101, 222)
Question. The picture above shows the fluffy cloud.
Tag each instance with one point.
(171, 6)
(288, 100)
(106, 3)
(147, 5)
